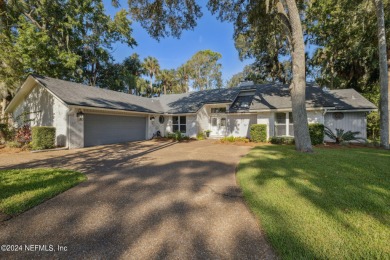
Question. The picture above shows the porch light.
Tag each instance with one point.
(80, 115)
(152, 118)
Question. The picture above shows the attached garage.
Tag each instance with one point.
(110, 129)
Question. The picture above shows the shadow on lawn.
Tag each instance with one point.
(335, 184)
(134, 206)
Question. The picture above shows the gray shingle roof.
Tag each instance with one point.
(82, 95)
(277, 96)
(350, 99)
(267, 96)
(193, 101)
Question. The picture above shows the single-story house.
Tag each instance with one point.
(88, 116)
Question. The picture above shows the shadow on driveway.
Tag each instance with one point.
(142, 200)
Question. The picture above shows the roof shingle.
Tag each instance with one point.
(267, 96)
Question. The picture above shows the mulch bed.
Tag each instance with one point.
(8, 150)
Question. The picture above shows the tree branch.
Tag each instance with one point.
(28, 15)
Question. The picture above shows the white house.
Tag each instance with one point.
(87, 116)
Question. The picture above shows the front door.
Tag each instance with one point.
(218, 126)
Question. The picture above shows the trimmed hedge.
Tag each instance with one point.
(316, 133)
(282, 140)
(258, 133)
(43, 137)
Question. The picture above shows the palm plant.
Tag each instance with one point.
(167, 79)
(341, 136)
(152, 69)
(183, 74)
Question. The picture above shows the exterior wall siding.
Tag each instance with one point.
(44, 110)
(239, 125)
(76, 130)
(352, 121)
(191, 126)
(315, 117)
(265, 118)
(155, 125)
(203, 120)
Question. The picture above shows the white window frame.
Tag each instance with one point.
(221, 108)
(179, 124)
(286, 123)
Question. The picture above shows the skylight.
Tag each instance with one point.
(243, 101)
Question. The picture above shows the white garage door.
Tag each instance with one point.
(108, 129)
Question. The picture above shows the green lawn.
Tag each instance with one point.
(333, 204)
(23, 189)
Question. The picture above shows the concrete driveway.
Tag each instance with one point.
(142, 200)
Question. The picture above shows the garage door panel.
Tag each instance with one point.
(109, 129)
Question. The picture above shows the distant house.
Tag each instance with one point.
(89, 116)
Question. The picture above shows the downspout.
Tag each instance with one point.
(323, 114)
(68, 131)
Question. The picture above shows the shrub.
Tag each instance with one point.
(23, 134)
(200, 136)
(341, 136)
(258, 132)
(282, 140)
(6, 132)
(13, 144)
(232, 139)
(3, 132)
(229, 139)
(178, 136)
(43, 137)
(316, 133)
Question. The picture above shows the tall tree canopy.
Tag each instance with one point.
(347, 35)
(249, 73)
(205, 70)
(69, 39)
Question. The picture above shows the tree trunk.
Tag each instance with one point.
(298, 84)
(384, 81)
(3, 105)
(388, 89)
(151, 87)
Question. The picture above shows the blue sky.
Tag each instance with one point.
(171, 52)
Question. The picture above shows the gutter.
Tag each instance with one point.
(354, 110)
(288, 109)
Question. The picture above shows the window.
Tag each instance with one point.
(214, 121)
(291, 124)
(338, 115)
(216, 110)
(243, 101)
(280, 124)
(179, 124)
(284, 124)
(161, 119)
(223, 121)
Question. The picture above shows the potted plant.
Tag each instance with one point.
(207, 132)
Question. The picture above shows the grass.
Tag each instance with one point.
(333, 204)
(23, 189)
